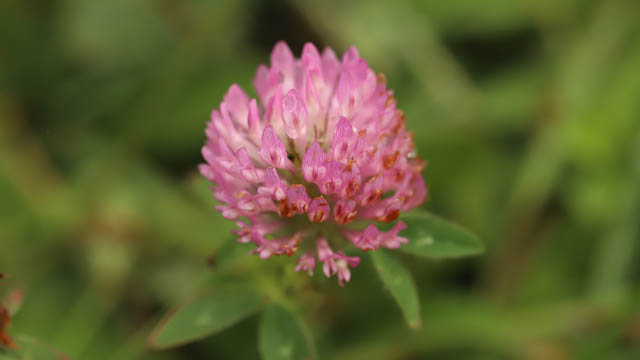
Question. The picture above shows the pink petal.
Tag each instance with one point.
(297, 199)
(311, 97)
(313, 163)
(273, 115)
(391, 239)
(294, 114)
(372, 190)
(369, 239)
(237, 102)
(318, 210)
(282, 59)
(344, 211)
(351, 179)
(255, 128)
(265, 82)
(274, 187)
(332, 181)
(344, 139)
(324, 251)
(310, 57)
(330, 66)
(248, 171)
(351, 55)
(306, 262)
(273, 151)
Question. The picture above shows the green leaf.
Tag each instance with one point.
(432, 237)
(205, 316)
(400, 283)
(282, 337)
(31, 349)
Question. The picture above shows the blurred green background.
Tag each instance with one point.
(527, 111)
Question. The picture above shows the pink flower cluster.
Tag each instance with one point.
(322, 156)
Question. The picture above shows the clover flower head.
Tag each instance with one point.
(323, 155)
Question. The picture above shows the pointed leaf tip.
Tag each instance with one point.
(399, 282)
(204, 316)
(435, 238)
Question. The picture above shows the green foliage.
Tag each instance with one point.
(31, 349)
(398, 280)
(435, 238)
(526, 112)
(204, 316)
(282, 337)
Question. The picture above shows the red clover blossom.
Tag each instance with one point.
(324, 155)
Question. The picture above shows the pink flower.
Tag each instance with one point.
(335, 263)
(306, 262)
(372, 238)
(324, 152)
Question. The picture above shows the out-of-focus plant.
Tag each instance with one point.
(24, 347)
(527, 112)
